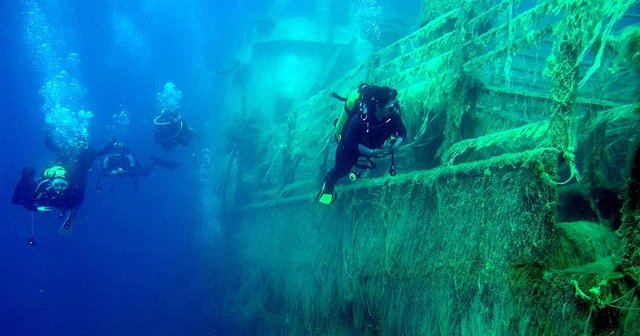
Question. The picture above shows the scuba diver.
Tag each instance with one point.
(62, 185)
(50, 191)
(53, 191)
(120, 162)
(171, 130)
(370, 126)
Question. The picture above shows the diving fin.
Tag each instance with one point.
(67, 225)
(327, 198)
(326, 195)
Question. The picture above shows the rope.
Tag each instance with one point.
(32, 240)
(32, 221)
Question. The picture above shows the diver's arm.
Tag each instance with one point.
(49, 143)
(351, 140)
(132, 162)
(365, 151)
(105, 150)
(374, 153)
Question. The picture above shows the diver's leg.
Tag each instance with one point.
(345, 160)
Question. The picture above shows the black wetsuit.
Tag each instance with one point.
(124, 164)
(77, 172)
(172, 130)
(32, 192)
(45, 195)
(361, 130)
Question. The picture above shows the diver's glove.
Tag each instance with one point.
(397, 143)
(392, 144)
(117, 172)
(43, 208)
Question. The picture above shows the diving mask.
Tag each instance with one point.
(59, 184)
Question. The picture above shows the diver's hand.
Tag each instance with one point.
(373, 153)
(110, 144)
(389, 144)
(380, 152)
(43, 209)
(397, 143)
(117, 172)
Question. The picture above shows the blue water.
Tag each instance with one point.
(139, 262)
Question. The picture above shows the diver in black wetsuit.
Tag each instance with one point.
(63, 185)
(171, 130)
(371, 126)
(120, 162)
(78, 165)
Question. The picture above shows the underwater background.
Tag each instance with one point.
(515, 211)
(140, 262)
